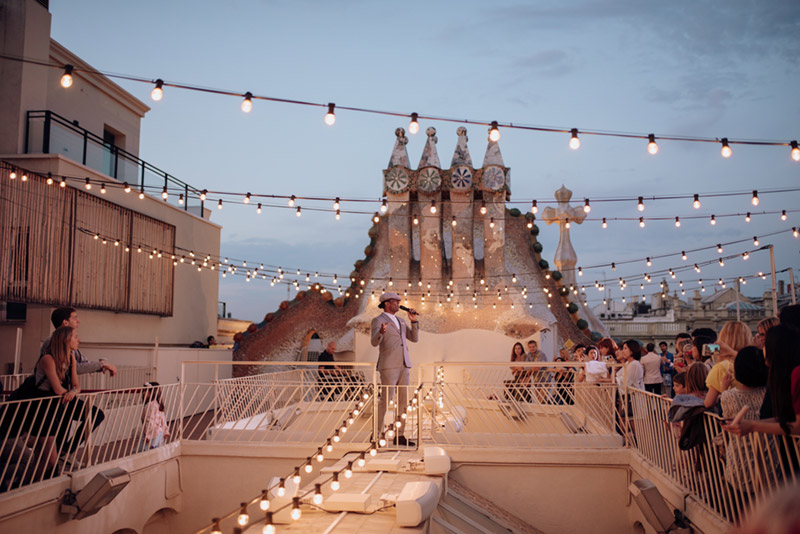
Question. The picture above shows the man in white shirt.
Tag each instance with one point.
(651, 362)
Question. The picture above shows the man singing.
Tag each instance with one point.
(390, 333)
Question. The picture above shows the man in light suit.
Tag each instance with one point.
(391, 335)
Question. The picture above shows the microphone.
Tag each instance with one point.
(407, 309)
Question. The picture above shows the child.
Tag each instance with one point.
(156, 428)
(679, 384)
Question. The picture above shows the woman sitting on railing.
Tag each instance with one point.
(56, 375)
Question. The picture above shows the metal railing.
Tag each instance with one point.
(126, 377)
(53, 134)
(727, 475)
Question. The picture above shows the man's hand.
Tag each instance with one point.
(412, 314)
(112, 371)
(383, 328)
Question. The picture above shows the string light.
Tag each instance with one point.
(433, 206)
(330, 117)
(219, 204)
(335, 482)
(141, 193)
(158, 91)
(49, 178)
(652, 146)
(586, 207)
(726, 149)
(258, 208)
(641, 222)
(566, 223)
(384, 206)
(296, 513)
(534, 207)
(413, 126)
(216, 529)
(281, 491)
(264, 503)
(348, 471)
(783, 215)
(88, 184)
(164, 193)
(491, 222)
(713, 220)
(483, 207)
(299, 212)
(755, 198)
(66, 78)
(375, 218)
(640, 204)
(453, 222)
(247, 103)
(291, 201)
(494, 132)
(574, 142)
(677, 222)
(317, 500)
(747, 217)
(719, 248)
(269, 527)
(795, 151)
(605, 224)
(102, 188)
(338, 215)
(683, 255)
(246, 198)
(696, 202)
(203, 194)
(415, 220)
(243, 518)
(755, 241)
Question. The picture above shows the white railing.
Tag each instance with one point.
(126, 377)
(727, 475)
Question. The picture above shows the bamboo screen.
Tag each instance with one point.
(59, 246)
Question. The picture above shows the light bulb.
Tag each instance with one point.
(413, 126)
(783, 215)
(269, 528)
(164, 193)
(574, 142)
(291, 201)
(683, 255)
(696, 202)
(494, 132)
(384, 206)
(88, 184)
(264, 503)
(348, 472)
(247, 103)
(649, 263)
(605, 224)
(141, 195)
(640, 204)
(376, 218)
(219, 204)
(330, 117)
(216, 529)
(677, 222)
(299, 212)
(433, 206)
(641, 222)
(726, 149)
(794, 232)
(158, 92)
(652, 146)
(755, 241)
(795, 151)
(296, 513)
(281, 491)
(308, 468)
(258, 208)
(336, 203)
(586, 207)
(755, 198)
(243, 518)
(66, 78)
(415, 220)
(338, 215)
(534, 207)
(719, 248)
(483, 207)
(335, 482)
(566, 223)
(713, 221)
(247, 198)
(317, 494)
(296, 477)
(320, 456)
(491, 222)
(747, 217)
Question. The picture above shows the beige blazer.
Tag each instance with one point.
(393, 344)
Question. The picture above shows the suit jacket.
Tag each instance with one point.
(393, 346)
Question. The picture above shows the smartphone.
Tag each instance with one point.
(710, 350)
(679, 362)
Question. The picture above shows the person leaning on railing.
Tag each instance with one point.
(66, 316)
(783, 385)
(733, 337)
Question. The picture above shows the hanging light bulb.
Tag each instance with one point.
(317, 494)
(721, 263)
(652, 146)
(338, 215)
(243, 518)
(719, 248)
(203, 194)
(296, 513)
(783, 215)
(494, 132)
(683, 255)
(219, 204)
(247, 198)
(566, 223)
(641, 222)
(141, 193)
(298, 212)
(291, 201)
(640, 204)
(66, 78)
(376, 218)
(483, 207)
(794, 232)
(713, 220)
(247, 103)
(755, 241)
(296, 476)
(335, 482)
(534, 207)
(384, 206)
(49, 178)
(415, 219)
(433, 206)
(413, 126)
(677, 222)
(158, 92)
(88, 184)
(755, 198)
(605, 224)
(330, 117)
(747, 217)
(795, 151)
(453, 222)
(696, 268)
(348, 471)
(649, 263)
(216, 529)
(164, 193)
(574, 142)
(586, 207)
(336, 203)
(726, 149)
(491, 222)
(696, 202)
(269, 527)
(264, 502)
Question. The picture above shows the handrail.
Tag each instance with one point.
(50, 118)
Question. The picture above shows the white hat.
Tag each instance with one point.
(389, 295)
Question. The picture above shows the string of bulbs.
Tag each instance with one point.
(247, 104)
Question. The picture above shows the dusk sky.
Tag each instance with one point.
(700, 69)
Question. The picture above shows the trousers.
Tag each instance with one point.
(395, 376)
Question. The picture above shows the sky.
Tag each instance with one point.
(697, 69)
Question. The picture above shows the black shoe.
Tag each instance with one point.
(402, 441)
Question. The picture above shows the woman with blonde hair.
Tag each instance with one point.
(734, 336)
(761, 330)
